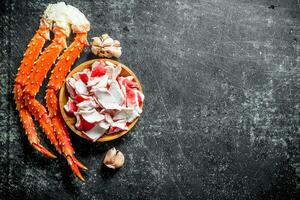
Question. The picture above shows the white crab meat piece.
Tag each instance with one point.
(126, 81)
(93, 81)
(116, 92)
(87, 105)
(127, 114)
(110, 112)
(118, 126)
(98, 69)
(84, 78)
(110, 63)
(81, 98)
(80, 87)
(105, 99)
(91, 116)
(83, 75)
(81, 123)
(113, 72)
(122, 86)
(108, 119)
(131, 98)
(76, 76)
(121, 124)
(70, 106)
(87, 71)
(113, 130)
(78, 121)
(97, 131)
(98, 82)
(140, 97)
(70, 85)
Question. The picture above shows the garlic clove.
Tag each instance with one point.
(105, 46)
(108, 42)
(109, 158)
(117, 43)
(119, 160)
(114, 159)
(96, 41)
(104, 36)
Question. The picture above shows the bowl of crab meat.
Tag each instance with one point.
(101, 100)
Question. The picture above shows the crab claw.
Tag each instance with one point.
(75, 168)
(66, 146)
(32, 135)
(43, 150)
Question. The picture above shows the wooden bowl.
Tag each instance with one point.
(63, 98)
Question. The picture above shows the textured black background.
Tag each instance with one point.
(221, 116)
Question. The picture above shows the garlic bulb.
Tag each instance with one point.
(105, 46)
(114, 159)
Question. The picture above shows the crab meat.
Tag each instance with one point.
(80, 87)
(113, 72)
(84, 77)
(87, 105)
(106, 100)
(91, 116)
(132, 97)
(116, 92)
(126, 81)
(98, 69)
(110, 63)
(82, 124)
(70, 85)
(70, 106)
(101, 82)
(128, 114)
(108, 118)
(118, 126)
(97, 131)
(140, 98)
(81, 98)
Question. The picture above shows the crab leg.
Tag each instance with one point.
(56, 80)
(42, 66)
(34, 48)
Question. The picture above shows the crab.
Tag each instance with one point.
(61, 19)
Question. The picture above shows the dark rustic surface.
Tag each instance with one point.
(222, 113)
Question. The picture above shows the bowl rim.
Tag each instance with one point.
(63, 97)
